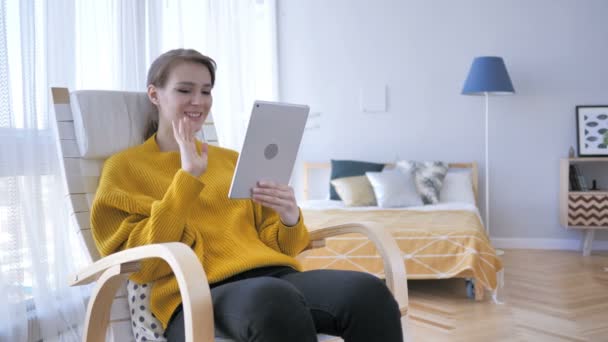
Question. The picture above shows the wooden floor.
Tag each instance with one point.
(548, 296)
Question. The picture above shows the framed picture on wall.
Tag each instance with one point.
(592, 130)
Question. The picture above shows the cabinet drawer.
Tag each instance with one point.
(588, 210)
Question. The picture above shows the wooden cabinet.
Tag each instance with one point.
(586, 210)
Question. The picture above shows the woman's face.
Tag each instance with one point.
(186, 94)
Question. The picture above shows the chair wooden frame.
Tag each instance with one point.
(110, 272)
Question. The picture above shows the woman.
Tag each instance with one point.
(174, 188)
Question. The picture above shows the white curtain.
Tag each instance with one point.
(38, 249)
(105, 44)
(117, 40)
(242, 37)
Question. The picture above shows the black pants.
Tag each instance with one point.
(279, 304)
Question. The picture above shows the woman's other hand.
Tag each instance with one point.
(279, 197)
(192, 162)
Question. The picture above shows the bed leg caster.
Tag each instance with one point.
(470, 286)
(474, 292)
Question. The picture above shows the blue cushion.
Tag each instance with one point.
(350, 168)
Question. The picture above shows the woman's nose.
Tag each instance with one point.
(196, 99)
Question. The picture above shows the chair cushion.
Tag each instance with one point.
(106, 122)
(145, 326)
(143, 323)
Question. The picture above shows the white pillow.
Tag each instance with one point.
(457, 187)
(394, 188)
(106, 122)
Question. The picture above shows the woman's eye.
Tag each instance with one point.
(207, 92)
(183, 91)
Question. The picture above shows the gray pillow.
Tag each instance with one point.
(428, 177)
(394, 189)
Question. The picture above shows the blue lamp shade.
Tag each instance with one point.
(488, 75)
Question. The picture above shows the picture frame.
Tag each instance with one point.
(592, 130)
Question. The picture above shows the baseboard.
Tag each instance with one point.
(563, 244)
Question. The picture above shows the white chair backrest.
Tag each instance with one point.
(91, 126)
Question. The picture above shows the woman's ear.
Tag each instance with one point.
(153, 94)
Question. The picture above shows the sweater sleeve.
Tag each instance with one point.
(287, 240)
(120, 220)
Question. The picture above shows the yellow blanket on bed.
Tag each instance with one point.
(435, 244)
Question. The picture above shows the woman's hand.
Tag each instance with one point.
(192, 162)
(280, 198)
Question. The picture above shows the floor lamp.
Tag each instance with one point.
(488, 76)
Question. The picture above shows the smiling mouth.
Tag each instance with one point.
(193, 115)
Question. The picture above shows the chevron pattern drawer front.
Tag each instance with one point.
(588, 210)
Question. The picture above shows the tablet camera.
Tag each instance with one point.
(271, 151)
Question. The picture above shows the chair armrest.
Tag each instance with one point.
(394, 267)
(109, 272)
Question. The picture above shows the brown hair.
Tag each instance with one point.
(162, 66)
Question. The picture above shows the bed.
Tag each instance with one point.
(438, 241)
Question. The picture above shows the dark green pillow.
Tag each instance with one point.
(350, 168)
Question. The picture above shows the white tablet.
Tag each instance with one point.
(271, 145)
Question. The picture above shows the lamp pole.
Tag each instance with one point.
(487, 98)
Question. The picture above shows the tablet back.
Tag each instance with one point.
(271, 145)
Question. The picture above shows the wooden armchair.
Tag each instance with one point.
(91, 126)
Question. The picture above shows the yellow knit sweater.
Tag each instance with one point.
(145, 197)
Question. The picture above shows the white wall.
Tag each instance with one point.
(556, 52)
